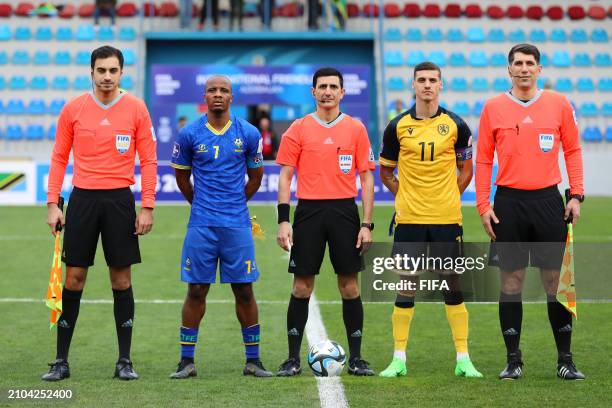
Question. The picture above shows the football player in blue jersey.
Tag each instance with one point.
(218, 148)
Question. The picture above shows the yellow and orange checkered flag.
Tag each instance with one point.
(566, 291)
(54, 291)
(256, 229)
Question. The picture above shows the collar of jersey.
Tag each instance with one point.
(413, 114)
(524, 104)
(110, 104)
(325, 124)
(218, 132)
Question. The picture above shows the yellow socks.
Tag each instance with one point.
(401, 319)
(457, 316)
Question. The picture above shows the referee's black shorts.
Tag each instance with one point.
(531, 229)
(111, 213)
(317, 222)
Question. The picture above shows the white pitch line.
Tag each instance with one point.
(331, 391)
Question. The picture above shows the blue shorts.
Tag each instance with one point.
(232, 248)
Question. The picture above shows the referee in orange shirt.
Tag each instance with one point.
(104, 129)
(328, 149)
(526, 126)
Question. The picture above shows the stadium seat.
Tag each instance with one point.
(371, 10)
(62, 58)
(60, 83)
(127, 82)
(352, 10)
(39, 82)
(558, 35)
(496, 35)
(477, 108)
(495, 12)
(83, 58)
(576, 12)
(392, 10)
(498, 59)
(606, 110)
(56, 105)
(438, 58)
(415, 57)
(67, 12)
(82, 83)
(478, 59)
(542, 82)
(555, 13)
(561, 59)
(150, 9)
(475, 34)
(37, 107)
(501, 84)
(588, 110)
(395, 84)
(608, 134)
(15, 107)
(432, 10)
(51, 132)
(515, 12)
(582, 59)
(168, 9)
(564, 84)
(5, 33)
(454, 35)
(393, 34)
(592, 134)
(43, 34)
(412, 10)
(85, 33)
(480, 85)
(127, 34)
(106, 33)
(604, 84)
(596, 12)
(452, 10)
(534, 12)
(599, 35)
(579, 35)
(461, 108)
(473, 10)
(457, 59)
(602, 59)
(585, 85)
(414, 34)
(544, 59)
(517, 36)
(129, 58)
(128, 9)
(6, 10)
(63, 34)
(20, 57)
(35, 132)
(3, 58)
(14, 132)
(41, 57)
(2, 85)
(459, 84)
(434, 35)
(537, 35)
(86, 10)
(393, 58)
(23, 33)
(23, 9)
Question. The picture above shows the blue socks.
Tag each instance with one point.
(250, 337)
(189, 338)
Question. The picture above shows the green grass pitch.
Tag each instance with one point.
(27, 344)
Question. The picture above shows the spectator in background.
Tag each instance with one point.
(336, 14)
(269, 139)
(107, 6)
(397, 109)
(215, 14)
(313, 14)
(181, 122)
(265, 11)
(236, 10)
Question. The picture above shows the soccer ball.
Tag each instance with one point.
(326, 358)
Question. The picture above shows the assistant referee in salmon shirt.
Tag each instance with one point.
(104, 129)
(327, 148)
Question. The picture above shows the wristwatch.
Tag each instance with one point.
(579, 197)
(368, 225)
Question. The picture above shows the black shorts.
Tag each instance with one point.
(317, 222)
(111, 213)
(531, 228)
(432, 240)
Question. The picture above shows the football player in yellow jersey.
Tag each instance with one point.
(427, 144)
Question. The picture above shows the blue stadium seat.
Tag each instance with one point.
(414, 34)
(477, 108)
(599, 35)
(1, 106)
(18, 83)
(3, 58)
(461, 108)
(39, 82)
(37, 107)
(14, 132)
(592, 134)
(51, 132)
(56, 105)
(537, 35)
(457, 59)
(83, 58)
(434, 35)
(15, 107)
(475, 34)
(478, 59)
(35, 132)
(459, 84)
(85, 33)
(606, 109)
(498, 59)
(20, 57)
(393, 34)
(23, 33)
(41, 57)
(582, 59)
(544, 59)
(517, 36)
(542, 82)
(564, 84)
(2, 83)
(579, 35)
(585, 85)
(602, 59)
(438, 58)
(501, 84)
(82, 83)
(60, 82)
(63, 34)
(127, 34)
(480, 85)
(496, 35)
(454, 35)
(5, 33)
(415, 57)
(394, 84)
(43, 33)
(106, 33)
(558, 35)
(608, 135)
(127, 82)
(62, 58)
(588, 110)
(129, 58)
(605, 84)
(393, 58)
(561, 59)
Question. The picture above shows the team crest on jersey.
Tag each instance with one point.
(122, 143)
(547, 142)
(346, 162)
(238, 143)
(443, 129)
(201, 148)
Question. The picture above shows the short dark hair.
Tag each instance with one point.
(106, 51)
(327, 71)
(427, 66)
(528, 49)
